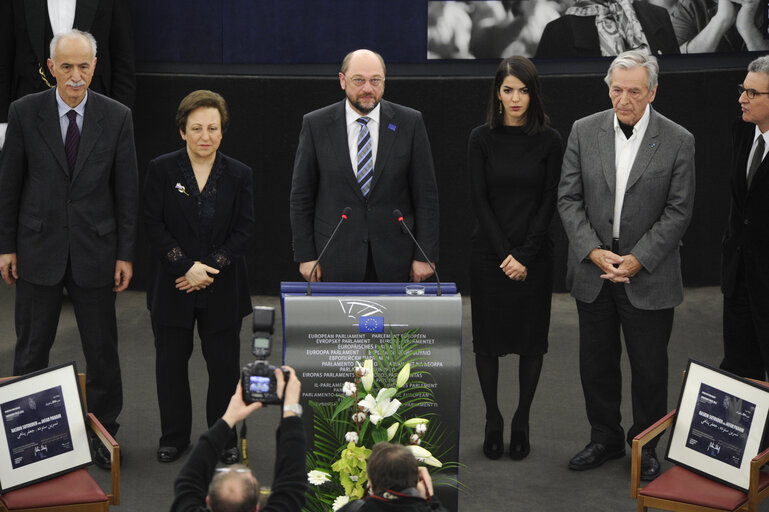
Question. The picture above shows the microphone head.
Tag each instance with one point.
(398, 214)
(346, 211)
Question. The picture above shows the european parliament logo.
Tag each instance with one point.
(371, 324)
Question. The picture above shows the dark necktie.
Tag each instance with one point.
(758, 155)
(72, 141)
(365, 168)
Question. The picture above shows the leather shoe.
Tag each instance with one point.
(229, 456)
(493, 446)
(101, 455)
(594, 455)
(650, 466)
(170, 453)
(519, 443)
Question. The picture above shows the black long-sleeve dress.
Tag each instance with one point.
(514, 180)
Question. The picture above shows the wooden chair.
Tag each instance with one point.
(76, 491)
(681, 490)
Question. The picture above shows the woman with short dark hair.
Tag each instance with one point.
(514, 162)
(198, 213)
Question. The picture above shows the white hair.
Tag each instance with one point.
(632, 59)
(70, 34)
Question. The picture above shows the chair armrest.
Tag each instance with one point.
(114, 448)
(639, 442)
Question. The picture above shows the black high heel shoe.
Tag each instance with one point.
(519, 443)
(493, 446)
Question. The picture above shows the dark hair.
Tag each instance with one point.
(233, 491)
(201, 98)
(523, 69)
(391, 467)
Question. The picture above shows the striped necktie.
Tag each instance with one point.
(72, 141)
(365, 169)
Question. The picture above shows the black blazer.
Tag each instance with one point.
(576, 36)
(170, 217)
(50, 218)
(25, 35)
(746, 241)
(324, 184)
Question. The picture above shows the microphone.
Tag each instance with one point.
(399, 216)
(344, 215)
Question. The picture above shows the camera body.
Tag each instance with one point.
(258, 378)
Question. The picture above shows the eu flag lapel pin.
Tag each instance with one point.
(391, 127)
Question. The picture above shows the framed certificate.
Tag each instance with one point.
(719, 426)
(42, 427)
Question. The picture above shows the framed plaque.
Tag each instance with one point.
(719, 426)
(42, 427)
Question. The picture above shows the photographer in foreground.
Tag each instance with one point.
(396, 483)
(236, 488)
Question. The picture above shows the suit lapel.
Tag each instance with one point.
(85, 12)
(741, 176)
(606, 150)
(186, 200)
(388, 130)
(337, 129)
(50, 129)
(649, 146)
(36, 13)
(92, 122)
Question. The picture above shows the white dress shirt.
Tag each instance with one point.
(625, 151)
(353, 129)
(62, 15)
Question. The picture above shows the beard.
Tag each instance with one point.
(360, 107)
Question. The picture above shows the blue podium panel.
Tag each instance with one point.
(327, 333)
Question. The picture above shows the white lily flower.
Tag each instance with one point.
(382, 406)
(392, 430)
(349, 388)
(413, 422)
(340, 502)
(368, 378)
(351, 437)
(423, 455)
(403, 375)
(316, 477)
(421, 428)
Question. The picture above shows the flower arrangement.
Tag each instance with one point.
(373, 408)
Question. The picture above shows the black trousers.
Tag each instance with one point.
(37, 316)
(647, 333)
(173, 348)
(746, 331)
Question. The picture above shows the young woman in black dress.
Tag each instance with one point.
(514, 161)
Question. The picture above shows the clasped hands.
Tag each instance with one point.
(513, 269)
(196, 278)
(616, 268)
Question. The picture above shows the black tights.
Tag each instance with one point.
(529, 368)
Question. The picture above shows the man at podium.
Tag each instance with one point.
(373, 157)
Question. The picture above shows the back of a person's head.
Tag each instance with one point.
(233, 489)
(391, 467)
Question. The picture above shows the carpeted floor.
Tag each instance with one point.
(541, 482)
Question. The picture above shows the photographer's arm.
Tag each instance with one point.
(290, 483)
(191, 486)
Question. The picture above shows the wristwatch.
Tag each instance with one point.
(295, 408)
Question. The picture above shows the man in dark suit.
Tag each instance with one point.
(373, 156)
(595, 28)
(68, 199)
(26, 29)
(744, 270)
(625, 198)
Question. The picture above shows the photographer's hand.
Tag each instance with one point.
(293, 389)
(237, 410)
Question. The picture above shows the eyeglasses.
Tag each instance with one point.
(360, 81)
(751, 93)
